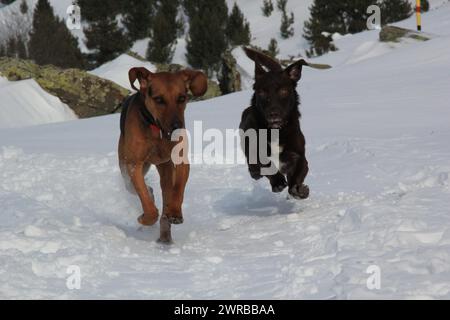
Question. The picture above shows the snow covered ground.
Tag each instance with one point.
(377, 128)
(25, 103)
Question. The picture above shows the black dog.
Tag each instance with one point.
(274, 105)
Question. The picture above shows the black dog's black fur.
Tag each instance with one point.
(274, 105)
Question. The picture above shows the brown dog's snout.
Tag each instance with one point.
(176, 124)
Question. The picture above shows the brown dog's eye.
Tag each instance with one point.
(158, 100)
(181, 99)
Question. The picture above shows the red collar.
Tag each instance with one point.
(155, 129)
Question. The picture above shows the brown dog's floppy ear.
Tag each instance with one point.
(196, 81)
(142, 75)
(263, 60)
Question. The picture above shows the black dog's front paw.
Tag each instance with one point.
(299, 191)
(255, 172)
(278, 182)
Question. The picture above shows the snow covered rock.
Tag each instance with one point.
(394, 34)
(87, 95)
(25, 103)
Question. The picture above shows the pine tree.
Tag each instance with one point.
(21, 48)
(164, 33)
(273, 50)
(286, 29)
(96, 10)
(395, 10)
(238, 29)
(281, 5)
(2, 50)
(106, 39)
(7, 1)
(50, 40)
(138, 16)
(267, 8)
(23, 7)
(206, 40)
(15, 48)
(103, 34)
(355, 14)
(345, 16)
(11, 47)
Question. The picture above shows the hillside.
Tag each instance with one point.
(377, 133)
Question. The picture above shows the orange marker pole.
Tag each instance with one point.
(418, 16)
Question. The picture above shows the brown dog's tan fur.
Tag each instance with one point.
(164, 95)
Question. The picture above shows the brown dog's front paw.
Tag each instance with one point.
(175, 219)
(147, 220)
(165, 240)
(299, 191)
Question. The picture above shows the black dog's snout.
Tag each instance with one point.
(274, 114)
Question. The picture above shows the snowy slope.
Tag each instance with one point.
(25, 103)
(117, 69)
(377, 129)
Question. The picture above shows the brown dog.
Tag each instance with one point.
(147, 122)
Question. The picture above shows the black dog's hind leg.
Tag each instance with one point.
(250, 148)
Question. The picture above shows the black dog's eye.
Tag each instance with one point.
(284, 92)
(159, 100)
(262, 94)
(181, 99)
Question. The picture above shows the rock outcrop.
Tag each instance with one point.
(87, 95)
(394, 34)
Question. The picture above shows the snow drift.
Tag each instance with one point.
(25, 103)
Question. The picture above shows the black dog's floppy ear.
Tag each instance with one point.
(262, 60)
(196, 81)
(142, 75)
(259, 71)
(294, 71)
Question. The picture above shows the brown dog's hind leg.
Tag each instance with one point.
(150, 215)
(165, 235)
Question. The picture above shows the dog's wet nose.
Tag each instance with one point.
(274, 115)
(176, 124)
